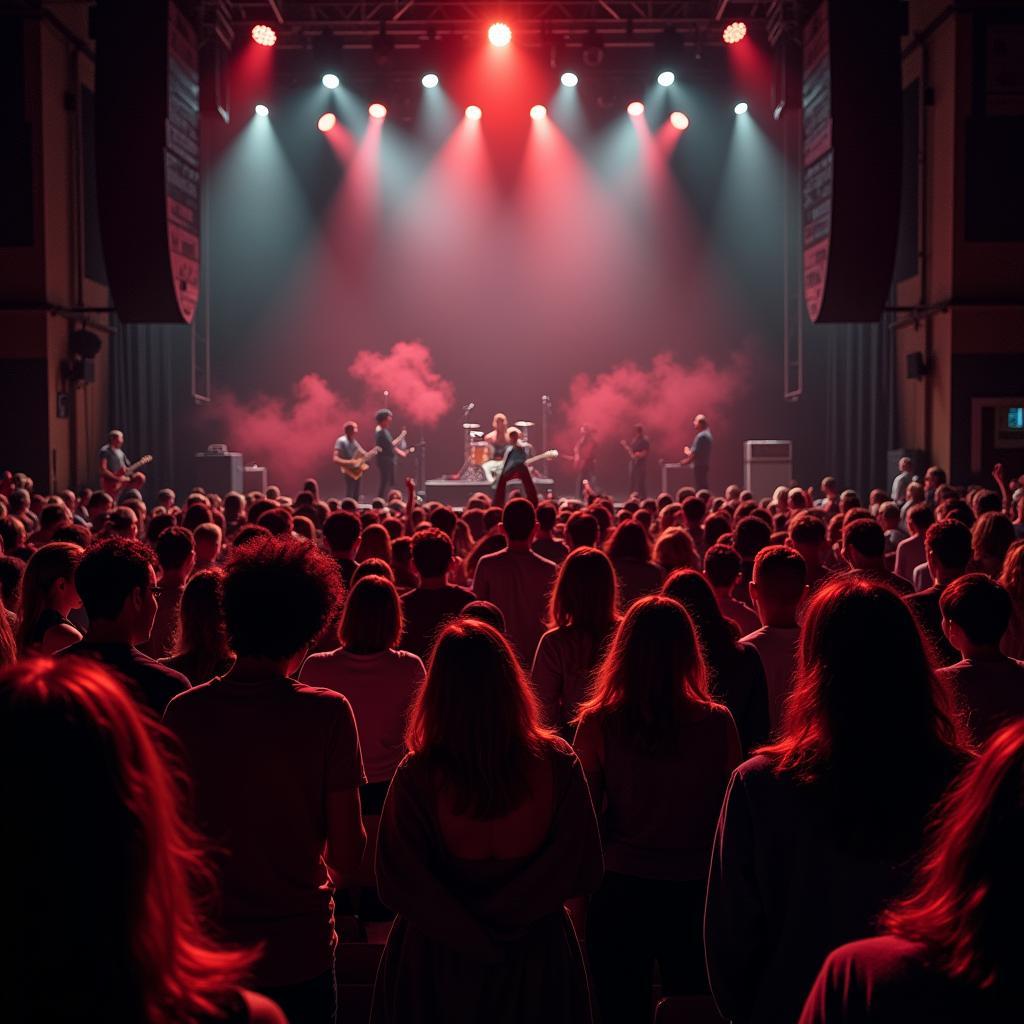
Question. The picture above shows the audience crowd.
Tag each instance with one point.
(761, 759)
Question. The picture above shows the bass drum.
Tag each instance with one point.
(479, 453)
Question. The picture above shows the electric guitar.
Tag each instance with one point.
(354, 468)
(114, 487)
(492, 469)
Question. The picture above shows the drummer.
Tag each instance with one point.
(498, 437)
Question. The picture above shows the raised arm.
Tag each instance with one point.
(410, 504)
(523, 473)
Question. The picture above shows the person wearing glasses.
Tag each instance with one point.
(116, 581)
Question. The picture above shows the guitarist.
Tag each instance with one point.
(113, 463)
(346, 448)
(638, 450)
(383, 440)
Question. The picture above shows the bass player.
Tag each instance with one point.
(350, 454)
(115, 471)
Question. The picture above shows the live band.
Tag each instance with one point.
(489, 457)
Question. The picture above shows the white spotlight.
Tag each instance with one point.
(262, 110)
(570, 79)
(740, 108)
(331, 80)
(666, 78)
(430, 81)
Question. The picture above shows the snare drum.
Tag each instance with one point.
(479, 453)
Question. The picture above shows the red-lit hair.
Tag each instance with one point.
(966, 904)
(653, 673)
(101, 874)
(475, 720)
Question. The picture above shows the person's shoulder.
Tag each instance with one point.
(543, 562)
(878, 959)
(147, 665)
(757, 771)
(318, 695)
(187, 700)
(262, 1010)
(758, 635)
(408, 661)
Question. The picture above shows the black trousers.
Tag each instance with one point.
(309, 1002)
(387, 476)
(700, 478)
(638, 477)
(634, 923)
(351, 488)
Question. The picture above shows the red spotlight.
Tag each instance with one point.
(635, 109)
(499, 34)
(327, 122)
(734, 32)
(378, 111)
(264, 35)
(679, 120)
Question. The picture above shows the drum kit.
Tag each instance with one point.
(480, 463)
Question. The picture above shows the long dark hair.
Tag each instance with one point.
(966, 903)
(372, 619)
(585, 594)
(203, 633)
(89, 799)
(630, 540)
(475, 720)
(52, 562)
(653, 673)
(719, 636)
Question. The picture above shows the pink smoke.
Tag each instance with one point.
(421, 394)
(664, 397)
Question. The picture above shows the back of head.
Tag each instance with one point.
(1012, 577)
(966, 902)
(780, 576)
(652, 674)
(694, 511)
(949, 543)
(630, 540)
(993, 534)
(279, 593)
(108, 574)
(341, 531)
(485, 611)
(443, 519)
(194, 515)
(431, 553)
(979, 606)
(375, 542)
(921, 516)
(864, 537)
(373, 567)
(718, 635)
(475, 720)
(372, 619)
(547, 513)
(750, 535)
(585, 593)
(174, 548)
(277, 520)
(722, 565)
(518, 520)
(582, 530)
(674, 549)
(91, 777)
(202, 615)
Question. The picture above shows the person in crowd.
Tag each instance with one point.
(888, 518)
(948, 550)
(903, 477)
(988, 685)
(910, 553)
(517, 580)
(374, 542)
(12, 570)
(122, 522)
(544, 542)
(694, 511)
(8, 643)
(629, 550)
(950, 949)
(722, 569)
(402, 565)
(341, 536)
(202, 652)
(276, 770)
(778, 587)
(435, 600)
(674, 549)
(582, 615)
(176, 553)
(864, 552)
(657, 752)
(208, 539)
(13, 537)
(817, 831)
(485, 611)
(48, 596)
(116, 580)
(488, 829)
(377, 679)
(51, 519)
(134, 944)
(992, 535)
(750, 534)
(582, 530)
(735, 674)
(934, 481)
(1012, 579)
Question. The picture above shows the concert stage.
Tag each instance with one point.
(458, 492)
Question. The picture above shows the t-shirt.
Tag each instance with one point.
(518, 582)
(262, 756)
(637, 578)
(990, 692)
(382, 440)
(701, 448)
(562, 671)
(425, 611)
(777, 647)
(899, 485)
(640, 444)
(909, 553)
(515, 455)
(551, 549)
(153, 684)
(380, 687)
(347, 449)
(115, 458)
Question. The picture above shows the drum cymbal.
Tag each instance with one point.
(525, 424)
(470, 426)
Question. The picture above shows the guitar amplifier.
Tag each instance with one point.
(218, 471)
(255, 478)
(767, 465)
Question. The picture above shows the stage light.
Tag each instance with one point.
(679, 120)
(666, 78)
(327, 122)
(377, 111)
(473, 112)
(740, 108)
(331, 80)
(499, 34)
(635, 109)
(538, 112)
(430, 81)
(570, 79)
(264, 35)
(262, 110)
(734, 32)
